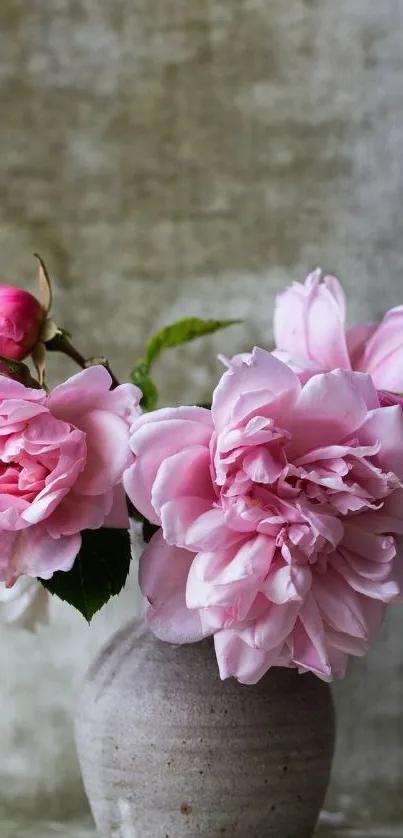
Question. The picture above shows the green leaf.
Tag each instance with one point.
(99, 571)
(141, 376)
(183, 331)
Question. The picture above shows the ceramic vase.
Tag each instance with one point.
(168, 750)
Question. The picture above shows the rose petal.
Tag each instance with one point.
(156, 436)
(238, 660)
(330, 407)
(385, 426)
(35, 553)
(287, 584)
(233, 396)
(385, 591)
(309, 642)
(80, 393)
(381, 354)
(162, 574)
(108, 452)
(309, 321)
(181, 474)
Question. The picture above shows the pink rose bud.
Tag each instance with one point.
(21, 319)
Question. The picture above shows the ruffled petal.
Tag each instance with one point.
(339, 605)
(79, 394)
(163, 573)
(108, 452)
(381, 353)
(385, 427)
(273, 628)
(208, 531)
(289, 583)
(235, 396)
(230, 578)
(330, 407)
(385, 589)
(309, 321)
(155, 437)
(309, 647)
(238, 660)
(183, 474)
(35, 553)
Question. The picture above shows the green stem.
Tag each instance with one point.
(60, 343)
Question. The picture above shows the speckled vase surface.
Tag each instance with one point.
(168, 750)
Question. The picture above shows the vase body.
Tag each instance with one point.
(168, 750)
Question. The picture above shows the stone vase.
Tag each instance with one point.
(168, 750)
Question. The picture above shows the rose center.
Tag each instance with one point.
(298, 501)
(25, 476)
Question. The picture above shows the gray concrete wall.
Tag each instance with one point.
(193, 156)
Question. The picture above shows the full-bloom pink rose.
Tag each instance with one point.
(21, 320)
(278, 513)
(62, 457)
(309, 323)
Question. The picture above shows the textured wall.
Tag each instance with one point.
(192, 156)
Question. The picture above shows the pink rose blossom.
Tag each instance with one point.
(62, 457)
(278, 512)
(21, 320)
(309, 323)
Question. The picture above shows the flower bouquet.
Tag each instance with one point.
(272, 520)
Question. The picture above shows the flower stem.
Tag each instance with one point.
(61, 343)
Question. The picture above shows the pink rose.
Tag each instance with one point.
(62, 457)
(278, 513)
(21, 320)
(309, 323)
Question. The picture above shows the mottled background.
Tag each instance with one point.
(193, 156)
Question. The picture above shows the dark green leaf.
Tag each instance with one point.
(99, 571)
(176, 334)
(180, 332)
(140, 376)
